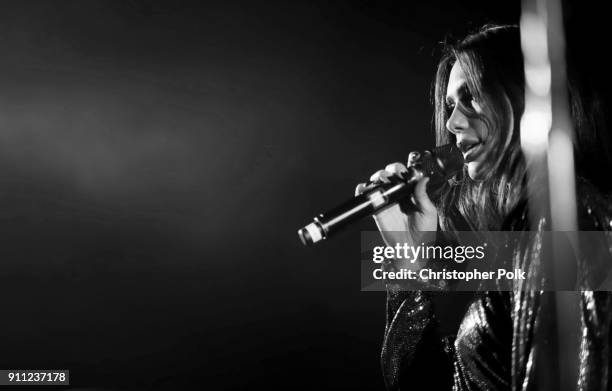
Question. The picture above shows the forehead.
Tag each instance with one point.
(456, 80)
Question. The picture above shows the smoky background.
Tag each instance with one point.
(156, 160)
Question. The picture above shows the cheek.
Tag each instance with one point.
(482, 129)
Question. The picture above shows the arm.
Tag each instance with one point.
(412, 350)
(411, 346)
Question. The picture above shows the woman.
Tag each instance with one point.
(479, 100)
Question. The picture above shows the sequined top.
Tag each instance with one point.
(507, 340)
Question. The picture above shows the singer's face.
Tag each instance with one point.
(466, 122)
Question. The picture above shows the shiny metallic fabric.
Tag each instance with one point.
(504, 338)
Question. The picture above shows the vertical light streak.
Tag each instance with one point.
(537, 118)
(546, 141)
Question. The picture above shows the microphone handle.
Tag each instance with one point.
(366, 204)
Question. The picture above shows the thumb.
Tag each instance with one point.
(421, 199)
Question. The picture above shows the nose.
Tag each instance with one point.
(457, 121)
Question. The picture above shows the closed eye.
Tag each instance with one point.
(467, 103)
(467, 99)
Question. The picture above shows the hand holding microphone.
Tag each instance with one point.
(393, 187)
(403, 220)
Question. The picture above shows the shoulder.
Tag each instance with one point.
(594, 209)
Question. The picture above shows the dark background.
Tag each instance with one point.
(156, 160)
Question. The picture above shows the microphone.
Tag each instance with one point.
(440, 164)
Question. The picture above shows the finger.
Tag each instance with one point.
(380, 176)
(396, 169)
(414, 158)
(421, 199)
(360, 188)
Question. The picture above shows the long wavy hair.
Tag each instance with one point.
(492, 62)
(493, 65)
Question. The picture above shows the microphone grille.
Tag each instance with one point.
(443, 161)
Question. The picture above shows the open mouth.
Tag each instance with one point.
(470, 151)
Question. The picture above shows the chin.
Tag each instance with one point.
(473, 169)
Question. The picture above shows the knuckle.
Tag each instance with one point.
(359, 188)
(414, 155)
(395, 168)
(414, 159)
(378, 176)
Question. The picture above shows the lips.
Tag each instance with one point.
(470, 150)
